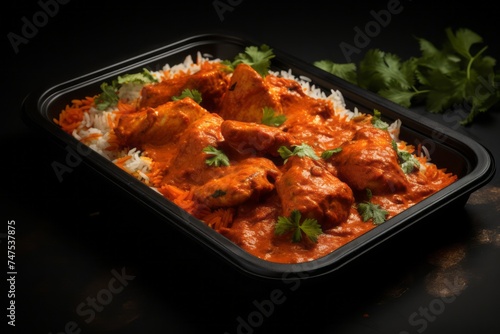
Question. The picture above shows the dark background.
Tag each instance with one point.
(72, 237)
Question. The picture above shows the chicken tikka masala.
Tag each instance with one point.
(286, 174)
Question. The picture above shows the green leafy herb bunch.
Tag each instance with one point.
(459, 74)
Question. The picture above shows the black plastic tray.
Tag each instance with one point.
(459, 154)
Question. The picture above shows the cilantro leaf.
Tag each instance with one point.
(480, 104)
(285, 152)
(108, 97)
(377, 120)
(381, 70)
(462, 41)
(328, 153)
(344, 71)
(143, 77)
(371, 211)
(399, 96)
(192, 93)
(407, 161)
(302, 150)
(259, 58)
(218, 159)
(269, 117)
(310, 227)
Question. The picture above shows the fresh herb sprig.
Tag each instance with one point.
(371, 211)
(219, 158)
(377, 120)
(192, 93)
(270, 118)
(309, 227)
(109, 96)
(327, 154)
(143, 77)
(259, 58)
(406, 160)
(455, 76)
(302, 150)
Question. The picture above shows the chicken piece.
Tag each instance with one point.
(288, 90)
(247, 95)
(309, 120)
(211, 81)
(158, 125)
(370, 162)
(317, 130)
(306, 185)
(255, 139)
(245, 180)
(295, 102)
(189, 168)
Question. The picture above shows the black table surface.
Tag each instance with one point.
(89, 259)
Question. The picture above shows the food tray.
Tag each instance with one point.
(470, 161)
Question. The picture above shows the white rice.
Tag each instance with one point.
(138, 165)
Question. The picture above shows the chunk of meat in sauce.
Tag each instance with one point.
(211, 81)
(294, 101)
(240, 182)
(316, 129)
(157, 125)
(188, 166)
(370, 162)
(309, 120)
(247, 95)
(306, 185)
(255, 139)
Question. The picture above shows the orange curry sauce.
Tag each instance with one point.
(243, 200)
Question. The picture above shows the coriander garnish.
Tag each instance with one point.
(369, 210)
(310, 227)
(218, 159)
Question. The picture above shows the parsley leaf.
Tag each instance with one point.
(310, 227)
(269, 117)
(369, 210)
(192, 93)
(302, 150)
(218, 159)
